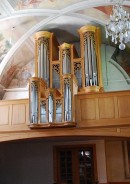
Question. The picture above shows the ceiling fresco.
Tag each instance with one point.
(11, 31)
(93, 12)
(20, 19)
(19, 68)
(46, 4)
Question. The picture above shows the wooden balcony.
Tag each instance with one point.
(97, 114)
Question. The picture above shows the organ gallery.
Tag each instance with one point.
(60, 74)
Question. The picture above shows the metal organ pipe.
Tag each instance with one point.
(66, 64)
(94, 66)
(86, 66)
(39, 61)
(47, 66)
(90, 63)
(50, 109)
(42, 62)
(67, 103)
(34, 104)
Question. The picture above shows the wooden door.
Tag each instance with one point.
(75, 165)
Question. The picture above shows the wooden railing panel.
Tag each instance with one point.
(107, 108)
(88, 109)
(14, 114)
(124, 106)
(103, 109)
(4, 114)
(18, 113)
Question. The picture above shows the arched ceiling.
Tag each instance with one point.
(20, 19)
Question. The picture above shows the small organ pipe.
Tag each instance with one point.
(64, 65)
(50, 109)
(67, 103)
(68, 64)
(34, 105)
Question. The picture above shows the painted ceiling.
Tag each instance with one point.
(20, 19)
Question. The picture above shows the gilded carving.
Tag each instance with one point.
(90, 35)
(77, 67)
(65, 52)
(58, 103)
(56, 67)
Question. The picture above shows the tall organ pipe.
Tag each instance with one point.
(47, 66)
(89, 61)
(39, 61)
(43, 44)
(94, 66)
(86, 65)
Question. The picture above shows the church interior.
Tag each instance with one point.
(65, 92)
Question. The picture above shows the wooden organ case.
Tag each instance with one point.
(60, 74)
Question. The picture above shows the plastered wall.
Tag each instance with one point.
(115, 161)
(32, 162)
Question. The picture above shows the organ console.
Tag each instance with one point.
(60, 74)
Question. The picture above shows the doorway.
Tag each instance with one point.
(75, 164)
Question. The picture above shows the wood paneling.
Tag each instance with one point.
(19, 114)
(107, 108)
(103, 109)
(124, 106)
(123, 182)
(97, 114)
(4, 114)
(88, 109)
(14, 113)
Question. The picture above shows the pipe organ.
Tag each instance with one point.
(60, 74)
(90, 54)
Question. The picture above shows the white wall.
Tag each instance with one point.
(113, 76)
(115, 162)
(16, 93)
(32, 162)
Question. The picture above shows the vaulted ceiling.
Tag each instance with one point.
(20, 19)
